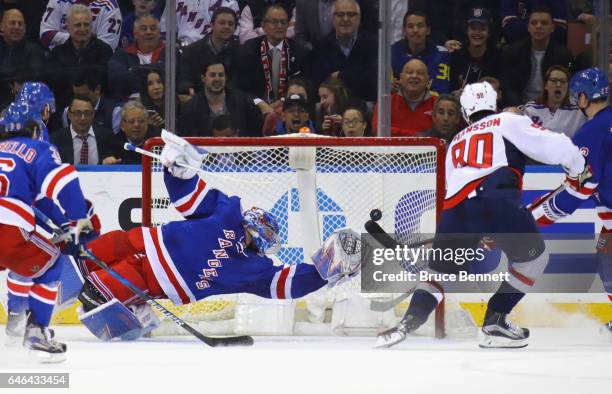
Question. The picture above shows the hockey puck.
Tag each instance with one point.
(375, 214)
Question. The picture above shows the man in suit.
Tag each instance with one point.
(313, 19)
(80, 142)
(265, 64)
(135, 129)
(347, 53)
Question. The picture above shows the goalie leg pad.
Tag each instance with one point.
(114, 320)
(71, 281)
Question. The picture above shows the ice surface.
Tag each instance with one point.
(567, 360)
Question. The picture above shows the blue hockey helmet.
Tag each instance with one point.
(18, 116)
(263, 227)
(593, 82)
(37, 95)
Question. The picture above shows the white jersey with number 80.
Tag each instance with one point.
(501, 140)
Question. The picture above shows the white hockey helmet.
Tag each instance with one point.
(478, 97)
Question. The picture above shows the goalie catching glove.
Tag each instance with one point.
(178, 155)
(340, 256)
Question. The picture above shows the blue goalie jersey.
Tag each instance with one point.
(206, 254)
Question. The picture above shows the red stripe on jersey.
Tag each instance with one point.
(610, 297)
(187, 205)
(25, 215)
(44, 293)
(58, 177)
(605, 215)
(544, 221)
(282, 280)
(179, 290)
(462, 194)
(18, 288)
(521, 277)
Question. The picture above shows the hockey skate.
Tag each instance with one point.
(499, 332)
(606, 330)
(395, 335)
(15, 328)
(42, 347)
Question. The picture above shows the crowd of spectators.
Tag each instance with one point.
(267, 67)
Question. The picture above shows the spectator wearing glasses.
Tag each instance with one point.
(81, 142)
(252, 14)
(354, 123)
(135, 129)
(552, 110)
(265, 64)
(347, 53)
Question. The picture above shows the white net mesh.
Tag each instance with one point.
(349, 182)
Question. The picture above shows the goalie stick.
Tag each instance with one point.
(243, 340)
(380, 235)
(133, 148)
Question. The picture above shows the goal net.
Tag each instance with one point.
(313, 186)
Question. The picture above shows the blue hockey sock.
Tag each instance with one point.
(605, 272)
(505, 299)
(18, 290)
(422, 304)
(41, 303)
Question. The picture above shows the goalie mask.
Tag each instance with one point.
(263, 227)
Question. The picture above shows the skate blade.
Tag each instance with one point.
(386, 341)
(487, 341)
(43, 357)
(12, 341)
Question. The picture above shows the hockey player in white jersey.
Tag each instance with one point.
(484, 168)
(193, 18)
(106, 21)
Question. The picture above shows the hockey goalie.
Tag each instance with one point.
(218, 249)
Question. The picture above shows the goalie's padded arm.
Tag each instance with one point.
(191, 197)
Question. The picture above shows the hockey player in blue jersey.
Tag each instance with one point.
(40, 99)
(589, 90)
(219, 249)
(41, 104)
(484, 168)
(31, 169)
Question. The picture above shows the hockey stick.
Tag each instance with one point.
(133, 148)
(380, 235)
(243, 340)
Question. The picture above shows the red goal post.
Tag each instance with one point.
(318, 184)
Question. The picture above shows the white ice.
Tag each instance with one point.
(557, 361)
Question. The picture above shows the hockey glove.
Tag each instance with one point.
(80, 227)
(577, 181)
(604, 243)
(178, 152)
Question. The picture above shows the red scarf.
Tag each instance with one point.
(266, 62)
